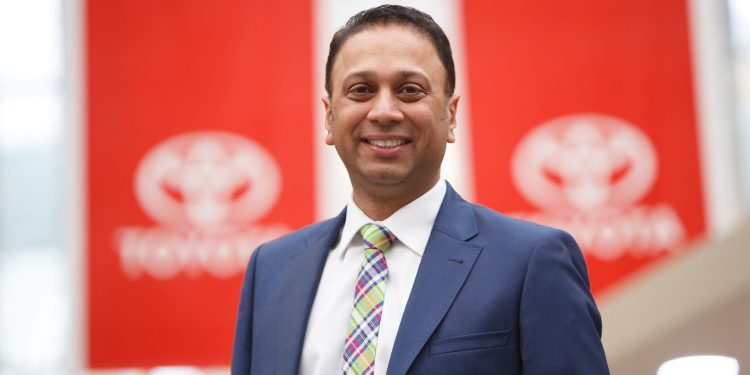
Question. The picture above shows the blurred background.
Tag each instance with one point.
(147, 147)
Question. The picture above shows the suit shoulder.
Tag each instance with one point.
(523, 238)
(510, 227)
(302, 234)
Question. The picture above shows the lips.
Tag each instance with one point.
(387, 142)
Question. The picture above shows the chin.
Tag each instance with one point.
(385, 176)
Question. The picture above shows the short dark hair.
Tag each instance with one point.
(398, 15)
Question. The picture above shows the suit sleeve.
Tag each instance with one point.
(559, 322)
(243, 337)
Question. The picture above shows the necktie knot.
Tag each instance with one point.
(377, 236)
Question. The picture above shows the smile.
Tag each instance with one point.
(386, 143)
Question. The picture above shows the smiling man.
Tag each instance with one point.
(411, 278)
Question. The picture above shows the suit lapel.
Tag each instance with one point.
(299, 284)
(446, 263)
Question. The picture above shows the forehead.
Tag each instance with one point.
(386, 48)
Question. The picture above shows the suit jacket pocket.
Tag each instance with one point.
(475, 341)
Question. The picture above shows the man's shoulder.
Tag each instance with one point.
(520, 237)
(494, 224)
(465, 219)
(304, 236)
(489, 216)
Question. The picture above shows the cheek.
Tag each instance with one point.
(343, 126)
(430, 123)
(350, 113)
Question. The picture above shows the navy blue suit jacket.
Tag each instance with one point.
(493, 295)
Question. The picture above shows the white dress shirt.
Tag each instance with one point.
(323, 350)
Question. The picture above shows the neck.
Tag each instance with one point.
(380, 203)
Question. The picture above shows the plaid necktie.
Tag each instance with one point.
(362, 332)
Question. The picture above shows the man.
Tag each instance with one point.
(410, 278)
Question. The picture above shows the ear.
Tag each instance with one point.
(452, 109)
(327, 107)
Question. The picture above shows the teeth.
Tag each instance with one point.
(387, 143)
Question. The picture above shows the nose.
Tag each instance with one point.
(385, 109)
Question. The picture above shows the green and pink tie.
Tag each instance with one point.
(369, 293)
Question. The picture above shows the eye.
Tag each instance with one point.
(360, 92)
(411, 92)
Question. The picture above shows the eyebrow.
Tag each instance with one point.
(404, 74)
(411, 73)
(366, 74)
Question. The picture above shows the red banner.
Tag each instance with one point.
(199, 129)
(583, 118)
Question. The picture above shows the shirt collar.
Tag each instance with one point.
(411, 224)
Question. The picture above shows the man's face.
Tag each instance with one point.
(388, 115)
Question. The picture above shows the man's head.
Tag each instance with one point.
(395, 15)
(388, 110)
